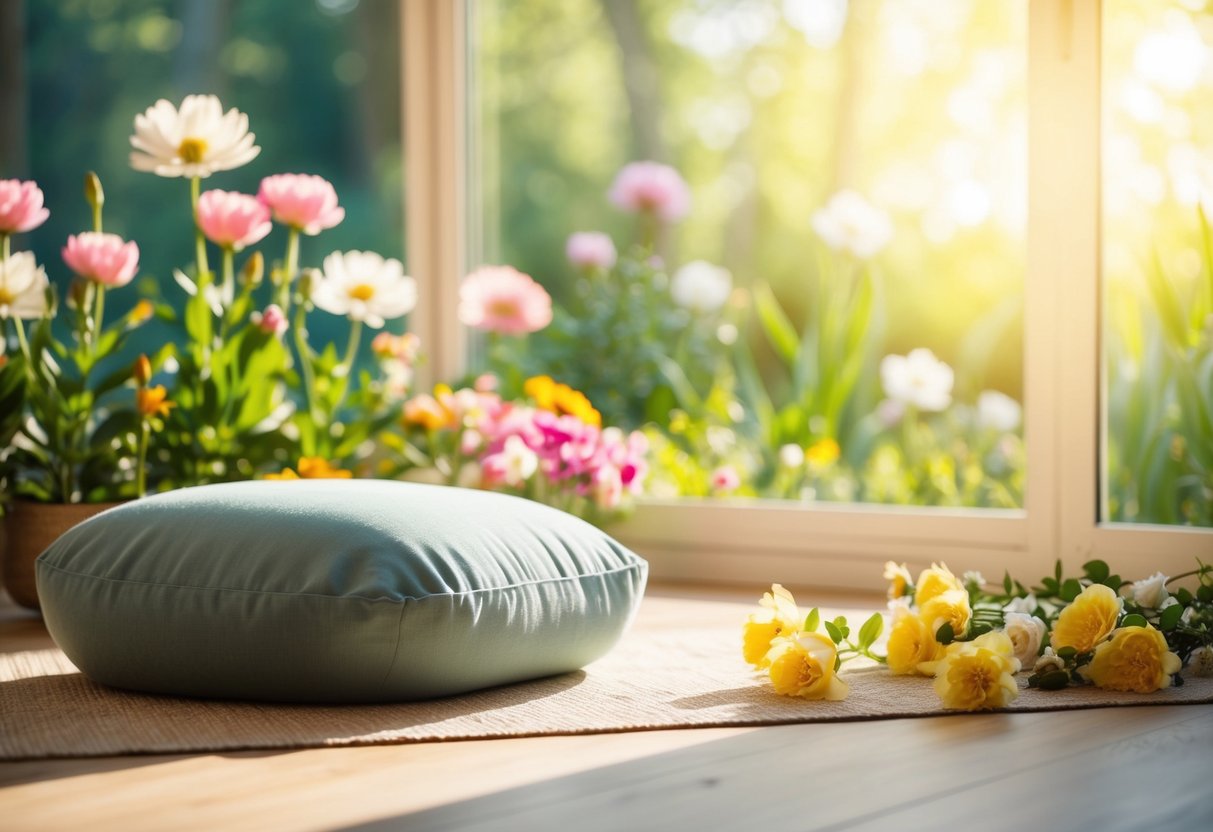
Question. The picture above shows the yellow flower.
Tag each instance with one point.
(312, 468)
(911, 643)
(561, 399)
(822, 453)
(933, 581)
(1135, 659)
(1087, 620)
(426, 412)
(803, 666)
(978, 675)
(779, 617)
(951, 607)
(141, 313)
(153, 401)
(898, 577)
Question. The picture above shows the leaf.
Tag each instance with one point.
(1169, 618)
(775, 324)
(812, 620)
(1134, 620)
(1053, 680)
(833, 631)
(1007, 586)
(1096, 570)
(1205, 593)
(1071, 589)
(871, 630)
(945, 634)
(1067, 652)
(1184, 596)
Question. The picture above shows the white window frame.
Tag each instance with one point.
(832, 545)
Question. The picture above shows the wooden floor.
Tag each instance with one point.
(1112, 769)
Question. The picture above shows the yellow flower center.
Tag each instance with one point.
(6, 297)
(503, 309)
(363, 292)
(191, 150)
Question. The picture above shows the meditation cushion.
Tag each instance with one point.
(334, 591)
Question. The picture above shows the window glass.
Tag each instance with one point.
(833, 308)
(1157, 250)
(320, 85)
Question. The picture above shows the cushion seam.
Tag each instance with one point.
(401, 600)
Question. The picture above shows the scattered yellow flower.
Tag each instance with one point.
(1134, 659)
(142, 370)
(561, 399)
(141, 313)
(935, 580)
(951, 607)
(779, 617)
(1087, 620)
(911, 644)
(312, 468)
(803, 665)
(153, 401)
(978, 675)
(822, 453)
(899, 579)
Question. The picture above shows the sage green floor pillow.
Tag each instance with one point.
(334, 591)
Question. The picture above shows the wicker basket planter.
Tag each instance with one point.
(30, 528)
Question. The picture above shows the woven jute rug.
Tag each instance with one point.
(675, 677)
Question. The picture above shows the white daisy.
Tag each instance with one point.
(23, 286)
(196, 140)
(364, 287)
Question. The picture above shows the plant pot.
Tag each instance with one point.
(31, 528)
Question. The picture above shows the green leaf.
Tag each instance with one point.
(1067, 652)
(1057, 570)
(1053, 680)
(1169, 618)
(833, 631)
(1096, 570)
(1205, 593)
(841, 623)
(1184, 596)
(1071, 589)
(945, 634)
(812, 620)
(1007, 585)
(775, 324)
(871, 630)
(1134, 620)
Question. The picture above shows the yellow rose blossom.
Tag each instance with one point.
(935, 580)
(1134, 659)
(561, 399)
(898, 577)
(911, 643)
(426, 412)
(1087, 620)
(978, 675)
(803, 665)
(951, 607)
(779, 617)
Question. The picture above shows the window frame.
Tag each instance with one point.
(835, 545)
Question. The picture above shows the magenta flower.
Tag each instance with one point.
(504, 300)
(272, 321)
(651, 188)
(590, 250)
(232, 220)
(104, 258)
(20, 206)
(302, 201)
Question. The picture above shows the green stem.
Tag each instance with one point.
(229, 276)
(141, 470)
(289, 268)
(24, 345)
(98, 315)
(309, 375)
(5, 247)
(199, 240)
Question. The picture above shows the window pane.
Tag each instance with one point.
(1158, 284)
(320, 85)
(857, 168)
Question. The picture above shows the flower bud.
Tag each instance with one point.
(93, 191)
(143, 370)
(253, 270)
(306, 281)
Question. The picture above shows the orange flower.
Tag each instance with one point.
(312, 468)
(142, 313)
(561, 399)
(153, 401)
(142, 371)
(426, 412)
